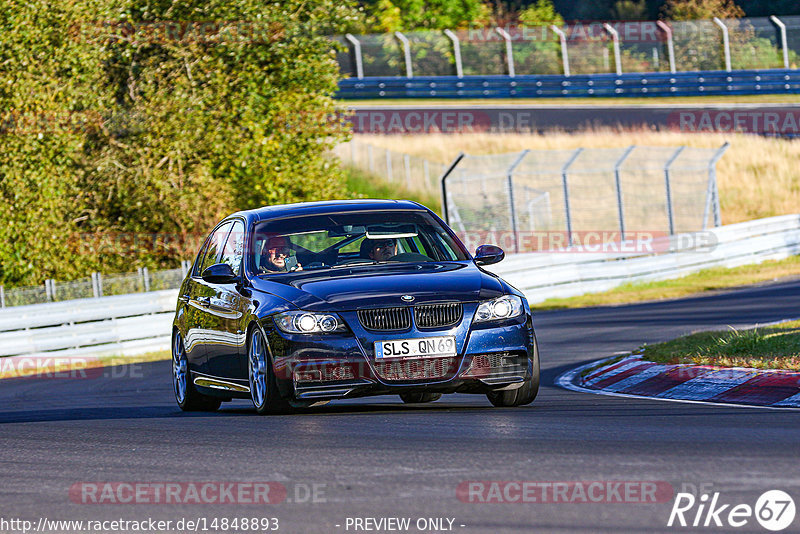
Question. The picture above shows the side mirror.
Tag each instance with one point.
(220, 273)
(489, 254)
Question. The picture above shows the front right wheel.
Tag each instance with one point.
(263, 384)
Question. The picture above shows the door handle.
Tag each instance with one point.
(204, 301)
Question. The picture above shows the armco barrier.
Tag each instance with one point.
(739, 82)
(565, 274)
(141, 322)
(117, 325)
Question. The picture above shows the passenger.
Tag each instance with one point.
(275, 255)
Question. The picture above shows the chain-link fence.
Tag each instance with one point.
(582, 48)
(96, 285)
(546, 199)
(412, 172)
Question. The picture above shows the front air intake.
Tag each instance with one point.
(438, 315)
(385, 319)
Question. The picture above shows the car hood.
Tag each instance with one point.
(347, 289)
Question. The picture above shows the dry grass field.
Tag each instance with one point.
(758, 176)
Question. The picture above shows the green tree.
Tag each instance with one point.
(202, 108)
(701, 9)
(542, 13)
(409, 15)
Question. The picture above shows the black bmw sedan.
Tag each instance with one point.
(297, 305)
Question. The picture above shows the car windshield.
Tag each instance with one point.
(351, 239)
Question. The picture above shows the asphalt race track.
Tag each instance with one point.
(379, 458)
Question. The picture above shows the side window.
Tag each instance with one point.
(200, 255)
(215, 242)
(234, 248)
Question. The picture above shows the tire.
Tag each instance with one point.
(416, 398)
(522, 395)
(263, 383)
(187, 397)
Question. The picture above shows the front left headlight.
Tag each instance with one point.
(303, 322)
(505, 307)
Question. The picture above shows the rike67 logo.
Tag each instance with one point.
(774, 510)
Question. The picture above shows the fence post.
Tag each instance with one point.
(617, 181)
(2, 297)
(456, 52)
(513, 208)
(426, 171)
(370, 159)
(389, 173)
(146, 279)
(50, 289)
(95, 290)
(443, 180)
(782, 27)
(184, 269)
(712, 179)
(667, 165)
(564, 170)
(100, 284)
(509, 51)
(357, 52)
(670, 44)
(564, 54)
(615, 41)
(726, 43)
(406, 53)
(407, 165)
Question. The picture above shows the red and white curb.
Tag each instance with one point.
(634, 377)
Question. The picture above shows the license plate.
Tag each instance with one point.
(416, 348)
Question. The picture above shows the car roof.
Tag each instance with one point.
(328, 206)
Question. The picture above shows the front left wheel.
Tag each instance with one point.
(263, 383)
(524, 394)
(187, 397)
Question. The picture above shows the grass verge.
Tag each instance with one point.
(773, 347)
(361, 184)
(695, 283)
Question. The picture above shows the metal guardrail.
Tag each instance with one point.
(115, 325)
(740, 82)
(570, 273)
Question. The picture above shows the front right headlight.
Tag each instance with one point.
(303, 322)
(505, 307)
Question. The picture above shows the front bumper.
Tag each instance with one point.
(489, 358)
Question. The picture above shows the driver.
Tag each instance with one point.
(276, 251)
(382, 249)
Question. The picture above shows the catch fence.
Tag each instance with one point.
(551, 199)
(576, 49)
